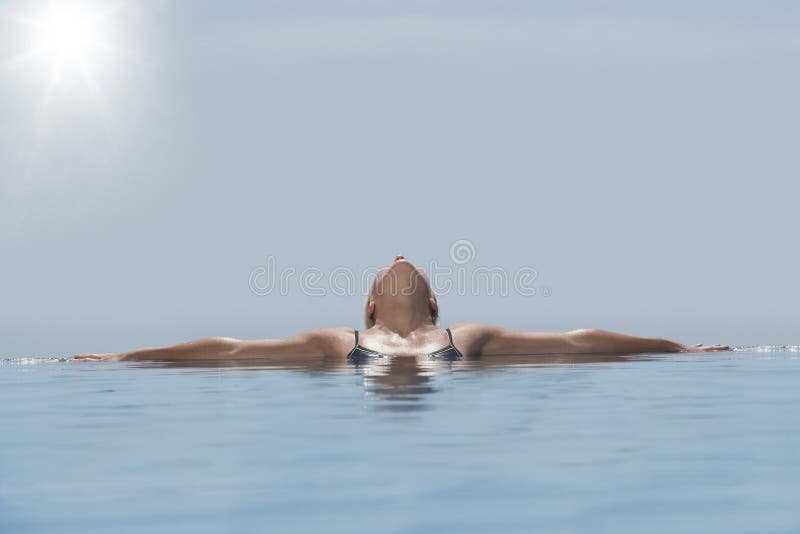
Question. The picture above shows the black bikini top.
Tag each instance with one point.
(448, 353)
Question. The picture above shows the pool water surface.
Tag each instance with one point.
(660, 443)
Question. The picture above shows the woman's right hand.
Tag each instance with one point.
(98, 357)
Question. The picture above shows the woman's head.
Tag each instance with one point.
(400, 291)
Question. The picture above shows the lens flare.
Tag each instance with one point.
(68, 35)
(70, 41)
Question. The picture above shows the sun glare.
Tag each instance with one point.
(72, 41)
(68, 35)
(77, 67)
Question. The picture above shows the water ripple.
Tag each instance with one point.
(31, 361)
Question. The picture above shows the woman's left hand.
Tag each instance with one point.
(699, 347)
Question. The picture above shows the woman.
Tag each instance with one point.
(401, 314)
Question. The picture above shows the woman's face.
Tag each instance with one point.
(400, 286)
(401, 279)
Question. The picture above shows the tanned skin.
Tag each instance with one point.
(401, 314)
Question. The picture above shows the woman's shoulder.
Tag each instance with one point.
(337, 332)
(471, 329)
(470, 337)
(334, 340)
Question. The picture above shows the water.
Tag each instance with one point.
(671, 443)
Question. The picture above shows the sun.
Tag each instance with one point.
(75, 65)
(72, 41)
(68, 35)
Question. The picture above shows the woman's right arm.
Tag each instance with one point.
(321, 342)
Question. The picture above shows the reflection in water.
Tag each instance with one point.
(402, 381)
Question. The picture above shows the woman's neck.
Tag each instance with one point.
(404, 324)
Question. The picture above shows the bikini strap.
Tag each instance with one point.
(449, 336)
(350, 354)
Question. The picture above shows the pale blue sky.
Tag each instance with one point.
(642, 156)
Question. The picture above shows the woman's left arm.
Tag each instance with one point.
(485, 340)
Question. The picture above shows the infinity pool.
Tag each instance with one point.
(670, 443)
